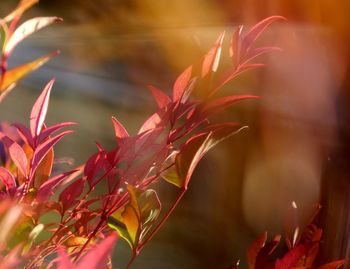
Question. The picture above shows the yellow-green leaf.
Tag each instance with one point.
(11, 77)
(134, 220)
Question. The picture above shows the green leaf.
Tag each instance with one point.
(135, 220)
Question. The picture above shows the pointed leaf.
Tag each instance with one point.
(39, 110)
(71, 193)
(223, 103)
(292, 257)
(17, 155)
(97, 257)
(24, 133)
(256, 30)
(253, 53)
(7, 178)
(11, 76)
(333, 265)
(161, 98)
(20, 9)
(235, 45)
(181, 84)
(44, 148)
(151, 123)
(212, 58)
(137, 217)
(45, 133)
(119, 129)
(233, 73)
(254, 249)
(26, 29)
(46, 189)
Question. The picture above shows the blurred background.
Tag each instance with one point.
(297, 147)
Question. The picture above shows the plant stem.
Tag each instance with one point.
(164, 219)
(134, 256)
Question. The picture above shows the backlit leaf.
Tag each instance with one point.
(212, 58)
(256, 31)
(17, 155)
(181, 83)
(97, 257)
(39, 110)
(333, 265)
(161, 98)
(136, 218)
(71, 193)
(26, 29)
(254, 249)
(44, 149)
(11, 76)
(7, 178)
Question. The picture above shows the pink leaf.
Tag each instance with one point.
(45, 190)
(97, 257)
(93, 165)
(26, 29)
(181, 84)
(71, 193)
(41, 151)
(119, 129)
(54, 128)
(212, 58)
(152, 122)
(39, 110)
(63, 260)
(255, 32)
(161, 98)
(17, 154)
(24, 133)
(7, 178)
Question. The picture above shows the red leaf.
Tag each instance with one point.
(257, 52)
(17, 154)
(7, 178)
(54, 128)
(161, 98)
(24, 133)
(39, 110)
(212, 58)
(71, 193)
(333, 265)
(234, 46)
(263, 260)
(232, 73)
(255, 32)
(97, 257)
(223, 103)
(119, 129)
(41, 151)
(292, 257)
(254, 249)
(181, 84)
(46, 189)
(63, 260)
(95, 163)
